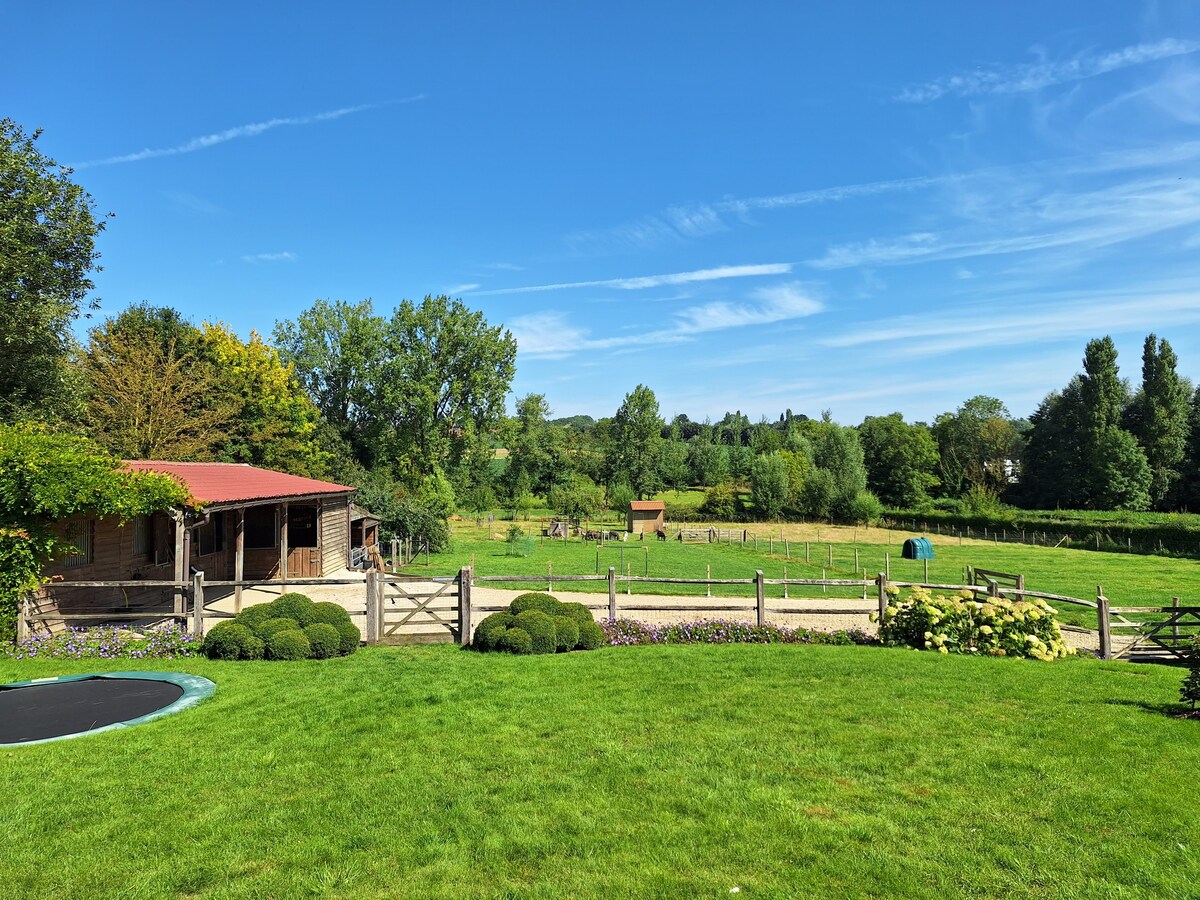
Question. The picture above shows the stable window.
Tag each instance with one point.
(261, 531)
(81, 535)
(302, 526)
(210, 537)
(143, 533)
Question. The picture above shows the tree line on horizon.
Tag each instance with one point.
(410, 407)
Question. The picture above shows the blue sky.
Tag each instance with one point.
(864, 207)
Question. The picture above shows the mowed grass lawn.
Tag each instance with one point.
(1128, 579)
(682, 771)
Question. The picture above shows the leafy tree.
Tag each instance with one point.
(47, 253)
(1053, 468)
(578, 497)
(150, 401)
(1123, 476)
(900, 458)
(1159, 417)
(974, 444)
(619, 495)
(637, 441)
(798, 466)
(274, 423)
(443, 381)
(708, 462)
(673, 460)
(720, 502)
(336, 350)
(536, 452)
(769, 484)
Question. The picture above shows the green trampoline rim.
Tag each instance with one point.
(195, 689)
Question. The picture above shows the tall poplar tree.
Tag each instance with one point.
(1159, 418)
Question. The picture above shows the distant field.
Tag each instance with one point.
(1128, 580)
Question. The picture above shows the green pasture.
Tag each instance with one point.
(679, 771)
(1128, 580)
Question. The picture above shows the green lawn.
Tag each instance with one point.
(626, 772)
(1128, 580)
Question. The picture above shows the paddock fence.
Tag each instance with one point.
(407, 609)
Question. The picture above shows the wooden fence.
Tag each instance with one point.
(402, 609)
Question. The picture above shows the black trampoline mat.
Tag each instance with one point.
(40, 711)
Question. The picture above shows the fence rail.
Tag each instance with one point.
(403, 609)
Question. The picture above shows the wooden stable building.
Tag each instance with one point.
(645, 516)
(241, 522)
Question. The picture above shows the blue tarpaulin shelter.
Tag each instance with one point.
(918, 548)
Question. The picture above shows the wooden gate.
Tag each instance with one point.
(421, 611)
(1165, 640)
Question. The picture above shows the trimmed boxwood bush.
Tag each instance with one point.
(316, 630)
(536, 601)
(273, 626)
(579, 613)
(540, 628)
(515, 640)
(325, 640)
(230, 640)
(566, 633)
(328, 613)
(294, 606)
(291, 644)
(489, 630)
(350, 637)
(591, 636)
(538, 623)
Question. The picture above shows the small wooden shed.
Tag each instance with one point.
(645, 516)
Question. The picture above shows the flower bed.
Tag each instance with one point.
(623, 632)
(106, 642)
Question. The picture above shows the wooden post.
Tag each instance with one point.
(1020, 587)
(824, 587)
(198, 604)
(760, 597)
(926, 571)
(881, 584)
(180, 561)
(628, 579)
(1102, 617)
(887, 565)
(612, 592)
(787, 549)
(806, 556)
(239, 557)
(855, 559)
(464, 606)
(283, 547)
(372, 635)
(993, 588)
(550, 576)
(708, 579)
(1175, 627)
(23, 619)
(831, 556)
(785, 592)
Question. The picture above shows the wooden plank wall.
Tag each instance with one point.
(335, 533)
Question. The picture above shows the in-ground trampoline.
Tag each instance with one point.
(53, 709)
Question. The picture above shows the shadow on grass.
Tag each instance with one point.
(1171, 710)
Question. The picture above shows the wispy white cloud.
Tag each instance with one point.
(1088, 219)
(652, 281)
(1028, 77)
(240, 131)
(285, 256)
(1049, 318)
(460, 289)
(551, 335)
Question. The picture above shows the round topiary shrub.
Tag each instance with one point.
(349, 634)
(253, 616)
(540, 628)
(536, 601)
(290, 644)
(489, 630)
(328, 613)
(566, 633)
(294, 606)
(515, 640)
(591, 636)
(227, 641)
(578, 613)
(273, 626)
(325, 640)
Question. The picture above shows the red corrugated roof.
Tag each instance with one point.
(647, 505)
(213, 482)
